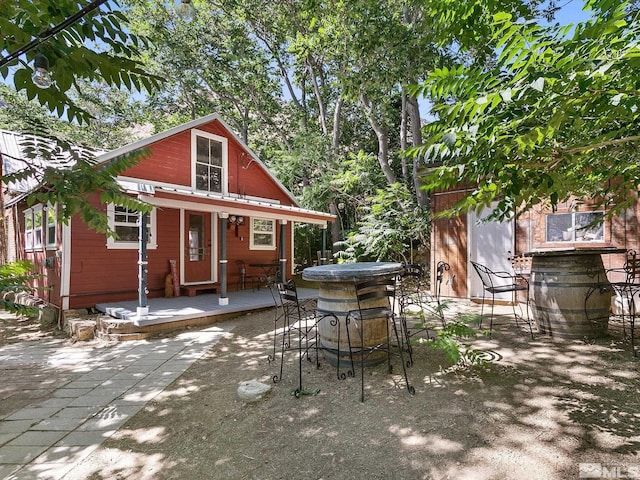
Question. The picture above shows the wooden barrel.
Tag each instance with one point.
(564, 301)
(338, 298)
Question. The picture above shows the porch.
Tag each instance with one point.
(120, 320)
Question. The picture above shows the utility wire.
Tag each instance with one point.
(47, 34)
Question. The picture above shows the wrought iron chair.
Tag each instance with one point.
(296, 320)
(375, 300)
(625, 282)
(243, 278)
(415, 301)
(494, 282)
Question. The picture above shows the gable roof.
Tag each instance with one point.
(187, 126)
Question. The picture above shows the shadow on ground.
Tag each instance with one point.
(536, 410)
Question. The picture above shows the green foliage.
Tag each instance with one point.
(15, 278)
(391, 221)
(448, 338)
(555, 118)
(97, 47)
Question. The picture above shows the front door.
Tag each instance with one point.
(198, 251)
(490, 245)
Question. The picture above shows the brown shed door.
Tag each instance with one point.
(197, 261)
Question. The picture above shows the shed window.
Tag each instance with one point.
(124, 222)
(209, 162)
(575, 227)
(263, 234)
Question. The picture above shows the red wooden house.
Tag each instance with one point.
(214, 204)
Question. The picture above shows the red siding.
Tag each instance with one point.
(99, 274)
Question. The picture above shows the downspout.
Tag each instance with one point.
(223, 300)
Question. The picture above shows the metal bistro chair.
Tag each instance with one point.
(375, 299)
(244, 278)
(626, 284)
(415, 301)
(296, 320)
(500, 282)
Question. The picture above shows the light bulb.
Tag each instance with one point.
(185, 10)
(41, 77)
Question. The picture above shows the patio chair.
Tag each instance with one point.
(375, 299)
(415, 301)
(494, 282)
(256, 281)
(297, 320)
(625, 282)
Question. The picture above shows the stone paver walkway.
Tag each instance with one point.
(91, 393)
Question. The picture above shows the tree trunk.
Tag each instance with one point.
(413, 110)
(382, 133)
(336, 234)
(403, 137)
(335, 142)
(322, 112)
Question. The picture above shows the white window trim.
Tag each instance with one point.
(252, 246)
(573, 222)
(225, 159)
(51, 243)
(113, 244)
(45, 243)
(28, 214)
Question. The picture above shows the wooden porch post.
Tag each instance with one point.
(223, 300)
(283, 250)
(143, 309)
(323, 255)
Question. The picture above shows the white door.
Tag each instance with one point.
(490, 244)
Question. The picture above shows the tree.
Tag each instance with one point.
(556, 117)
(96, 47)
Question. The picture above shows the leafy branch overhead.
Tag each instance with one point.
(555, 117)
(98, 47)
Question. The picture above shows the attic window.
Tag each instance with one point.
(209, 162)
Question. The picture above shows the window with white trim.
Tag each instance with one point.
(263, 234)
(575, 227)
(209, 162)
(51, 227)
(28, 229)
(124, 222)
(40, 227)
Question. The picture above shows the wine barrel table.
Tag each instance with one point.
(336, 297)
(568, 294)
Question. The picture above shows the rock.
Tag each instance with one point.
(252, 391)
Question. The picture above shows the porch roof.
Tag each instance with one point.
(184, 198)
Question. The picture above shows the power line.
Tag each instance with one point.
(47, 34)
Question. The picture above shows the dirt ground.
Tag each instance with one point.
(537, 410)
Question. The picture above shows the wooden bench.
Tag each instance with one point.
(192, 290)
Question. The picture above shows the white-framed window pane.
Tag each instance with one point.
(37, 228)
(575, 227)
(262, 234)
(28, 229)
(52, 226)
(208, 164)
(126, 225)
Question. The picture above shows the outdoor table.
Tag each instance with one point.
(566, 298)
(337, 296)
